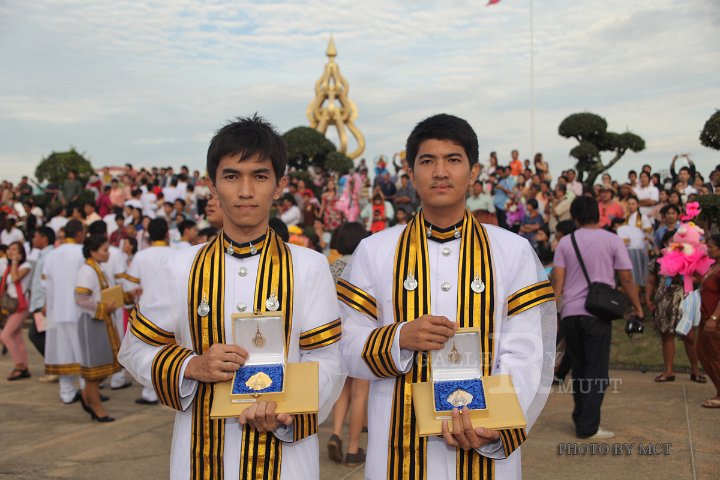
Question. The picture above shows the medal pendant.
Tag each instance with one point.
(230, 250)
(259, 339)
(243, 271)
(454, 355)
(272, 302)
(203, 309)
(477, 285)
(410, 283)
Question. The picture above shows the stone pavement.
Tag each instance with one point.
(40, 438)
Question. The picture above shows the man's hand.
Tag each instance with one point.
(218, 364)
(261, 416)
(426, 333)
(464, 435)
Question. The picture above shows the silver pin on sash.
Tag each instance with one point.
(410, 283)
(203, 309)
(456, 234)
(428, 232)
(243, 272)
(272, 302)
(230, 250)
(253, 250)
(477, 285)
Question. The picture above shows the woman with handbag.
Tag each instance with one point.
(14, 304)
(99, 341)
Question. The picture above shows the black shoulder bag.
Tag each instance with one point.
(603, 301)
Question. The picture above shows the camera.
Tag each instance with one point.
(634, 325)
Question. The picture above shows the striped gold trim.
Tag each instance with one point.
(321, 336)
(377, 352)
(128, 277)
(96, 374)
(304, 425)
(240, 251)
(148, 332)
(356, 298)
(101, 311)
(166, 374)
(512, 439)
(83, 291)
(529, 297)
(64, 369)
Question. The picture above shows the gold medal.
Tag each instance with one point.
(259, 381)
(454, 355)
(259, 339)
(459, 398)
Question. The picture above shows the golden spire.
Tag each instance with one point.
(333, 107)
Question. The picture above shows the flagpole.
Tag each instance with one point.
(532, 83)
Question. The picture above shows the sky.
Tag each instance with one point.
(148, 83)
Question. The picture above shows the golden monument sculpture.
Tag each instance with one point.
(333, 107)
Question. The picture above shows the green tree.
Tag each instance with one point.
(338, 162)
(710, 135)
(56, 166)
(307, 147)
(591, 133)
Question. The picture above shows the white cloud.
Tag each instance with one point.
(150, 82)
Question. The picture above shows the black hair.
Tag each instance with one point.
(185, 225)
(247, 136)
(684, 169)
(208, 232)
(182, 202)
(48, 233)
(532, 202)
(443, 127)
(280, 228)
(157, 229)
(90, 202)
(348, 236)
(632, 172)
(566, 227)
(584, 210)
(98, 227)
(72, 228)
(715, 239)
(93, 244)
(289, 198)
(134, 243)
(667, 236)
(645, 172)
(669, 206)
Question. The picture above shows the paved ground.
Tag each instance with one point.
(43, 439)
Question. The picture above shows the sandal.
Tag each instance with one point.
(352, 459)
(711, 403)
(334, 447)
(699, 378)
(18, 373)
(662, 378)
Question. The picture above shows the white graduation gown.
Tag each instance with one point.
(314, 305)
(518, 339)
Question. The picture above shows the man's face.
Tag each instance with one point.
(39, 241)
(530, 209)
(570, 175)
(246, 189)
(88, 209)
(605, 196)
(671, 217)
(442, 173)
(477, 189)
(684, 176)
(514, 155)
(191, 234)
(644, 179)
(632, 177)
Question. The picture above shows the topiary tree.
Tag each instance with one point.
(56, 166)
(338, 162)
(306, 147)
(710, 135)
(590, 131)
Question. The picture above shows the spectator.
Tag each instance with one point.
(188, 234)
(532, 222)
(609, 208)
(503, 190)
(647, 194)
(290, 213)
(664, 297)
(708, 344)
(516, 166)
(480, 203)
(574, 187)
(14, 289)
(332, 217)
(406, 197)
(11, 234)
(670, 214)
(588, 337)
(71, 188)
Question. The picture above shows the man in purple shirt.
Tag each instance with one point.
(588, 337)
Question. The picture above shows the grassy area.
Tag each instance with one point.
(647, 349)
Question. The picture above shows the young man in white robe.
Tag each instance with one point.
(62, 344)
(408, 289)
(180, 343)
(146, 270)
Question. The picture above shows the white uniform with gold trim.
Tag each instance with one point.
(518, 339)
(62, 344)
(146, 270)
(114, 269)
(314, 305)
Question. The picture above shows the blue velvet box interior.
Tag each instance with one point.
(276, 372)
(444, 389)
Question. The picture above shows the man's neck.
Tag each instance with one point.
(244, 234)
(444, 217)
(591, 226)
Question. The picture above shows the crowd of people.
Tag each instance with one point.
(118, 227)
